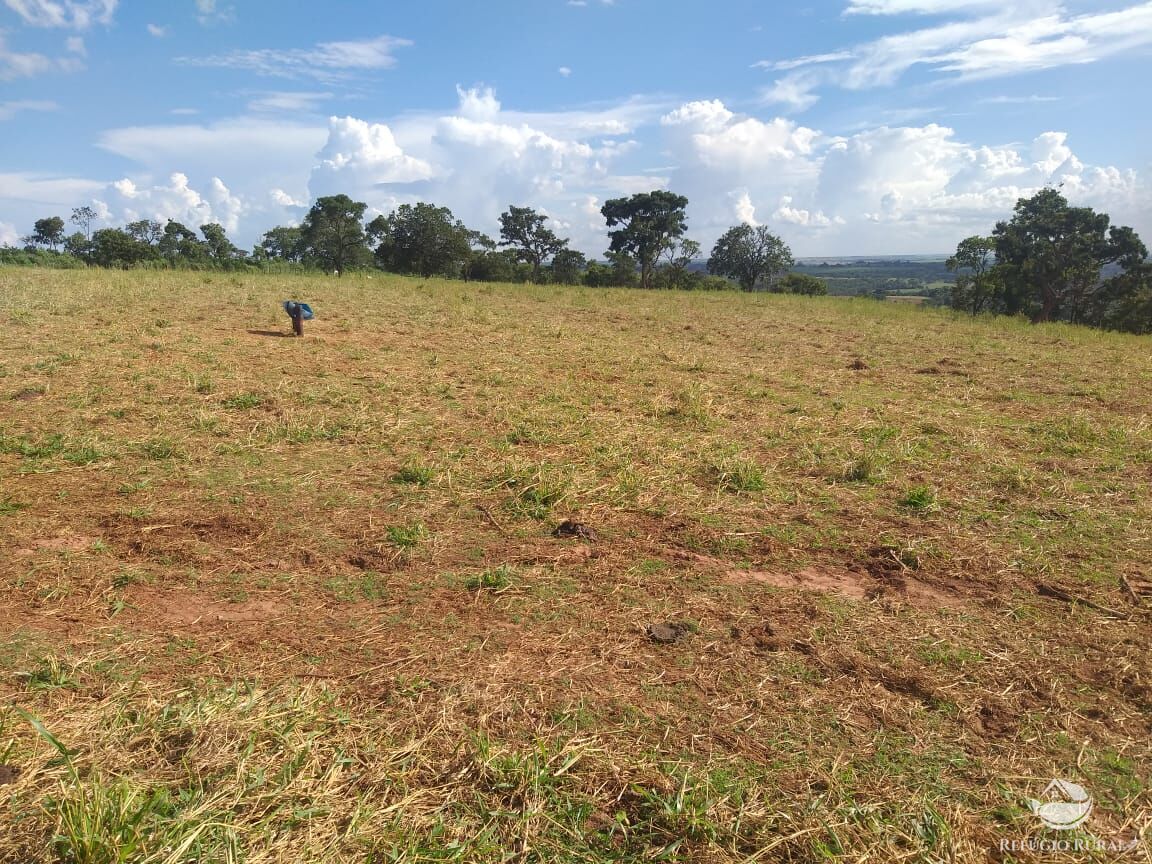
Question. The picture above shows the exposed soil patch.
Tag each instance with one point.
(854, 583)
(189, 609)
(182, 539)
(8, 774)
(27, 394)
(60, 543)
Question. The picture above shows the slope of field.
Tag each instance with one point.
(858, 579)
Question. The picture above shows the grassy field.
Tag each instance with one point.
(860, 579)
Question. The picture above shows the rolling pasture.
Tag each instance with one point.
(857, 579)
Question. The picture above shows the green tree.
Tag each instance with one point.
(568, 266)
(523, 229)
(333, 233)
(1051, 256)
(282, 243)
(649, 223)
(48, 232)
(147, 231)
(78, 246)
(216, 241)
(180, 245)
(113, 247)
(802, 283)
(82, 218)
(751, 256)
(1124, 301)
(977, 281)
(422, 239)
(676, 273)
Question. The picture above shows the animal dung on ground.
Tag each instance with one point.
(570, 528)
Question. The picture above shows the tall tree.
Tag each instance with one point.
(147, 231)
(48, 232)
(523, 229)
(751, 256)
(977, 280)
(648, 223)
(219, 247)
(568, 266)
(333, 233)
(1051, 256)
(422, 239)
(113, 247)
(180, 245)
(82, 218)
(282, 243)
(679, 255)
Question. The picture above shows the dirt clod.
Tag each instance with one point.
(8, 774)
(669, 632)
(570, 528)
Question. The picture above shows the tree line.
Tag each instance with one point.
(648, 247)
(1054, 262)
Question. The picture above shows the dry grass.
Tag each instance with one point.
(277, 600)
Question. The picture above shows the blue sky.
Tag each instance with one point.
(849, 127)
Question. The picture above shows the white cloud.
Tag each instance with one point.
(17, 64)
(810, 60)
(9, 236)
(287, 101)
(157, 31)
(8, 110)
(565, 71)
(983, 39)
(363, 156)
(920, 7)
(885, 189)
(211, 12)
(73, 14)
(255, 150)
(327, 61)
(124, 201)
(796, 90)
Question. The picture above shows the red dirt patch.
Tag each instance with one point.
(60, 543)
(189, 609)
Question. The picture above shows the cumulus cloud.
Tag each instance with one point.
(72, 14)
(124, 201)
(885, 189)
(363, 156)
(480, 158)
(9, 236)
